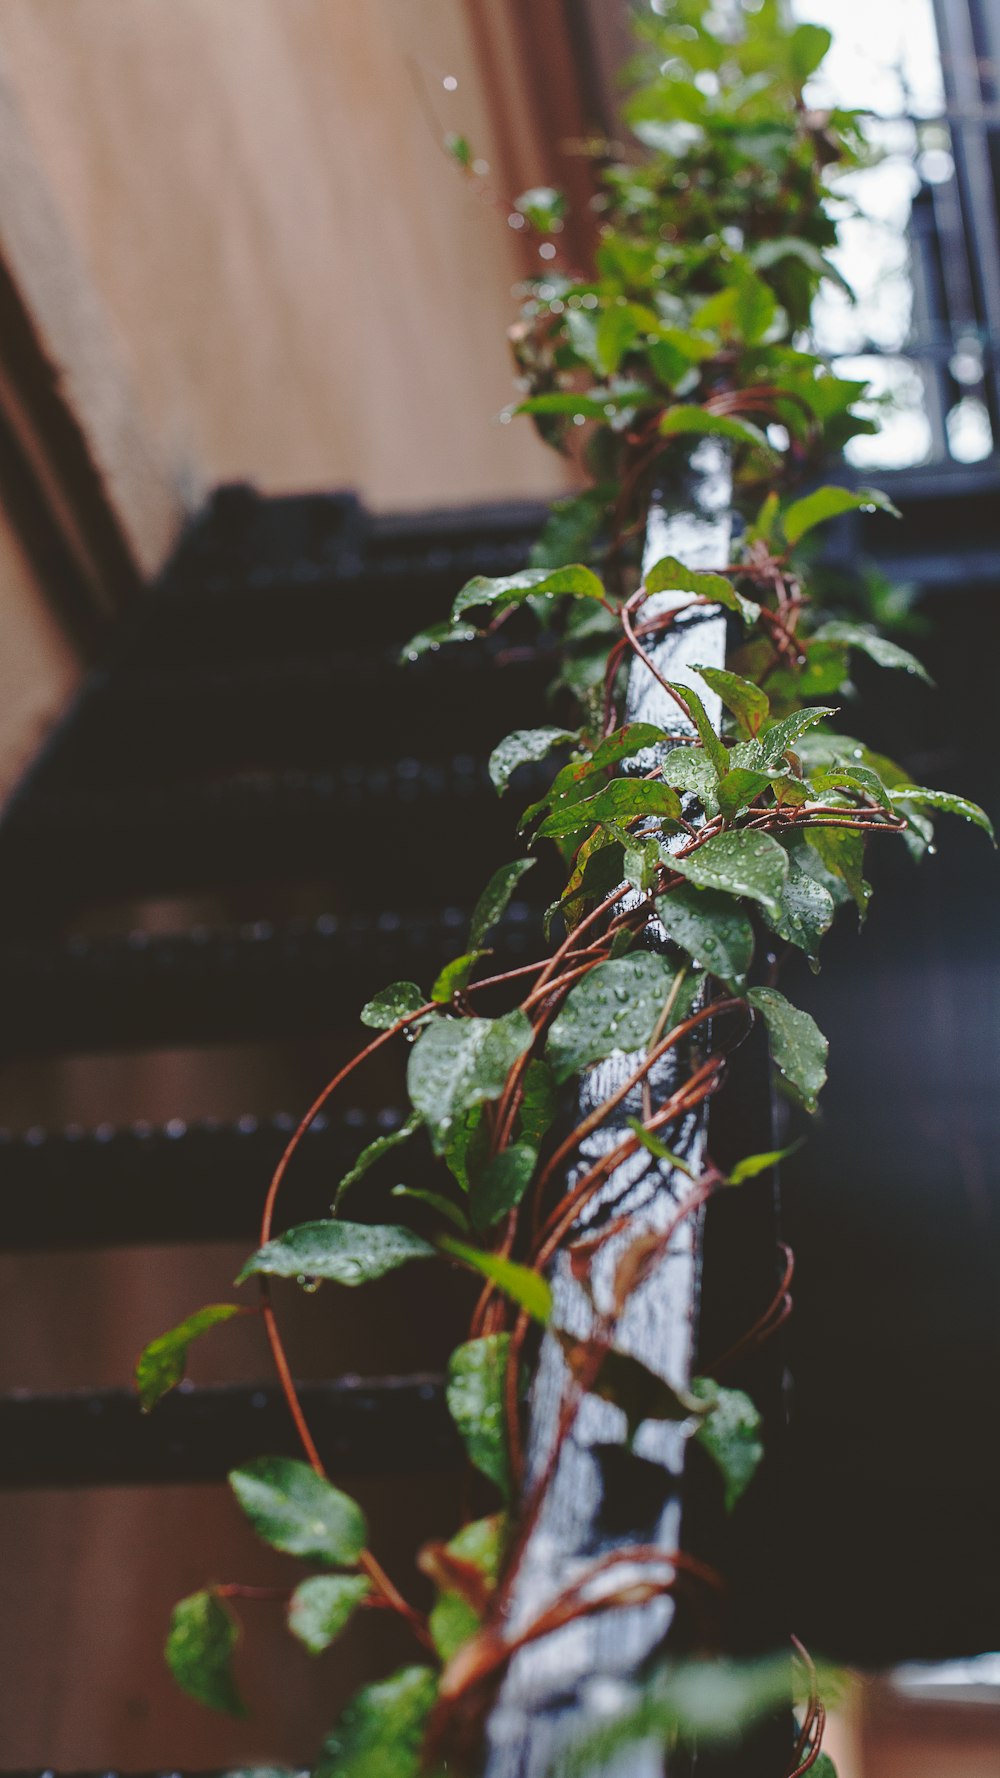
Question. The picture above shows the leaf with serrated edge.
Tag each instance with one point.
(321, 1607)
(297, 1511)
(798, 1046)
(161, 1364)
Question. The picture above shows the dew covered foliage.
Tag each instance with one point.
(741, 843)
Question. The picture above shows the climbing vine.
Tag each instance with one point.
(743, 835)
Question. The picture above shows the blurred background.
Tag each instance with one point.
(252, 363)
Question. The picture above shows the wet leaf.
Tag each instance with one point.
(614, 1007)
(539, 1103)
(434, 1201)
(806, 912)
(199, 1651)
(878, 648)
(525, 1287)
(731, 1435)
(297, 1511)
(774, 742)
(739, 862)
(523, 747)
(712, 929)
(670, 576)
(373, 1152)
(493, 902)
(459, 1063)
(829, 503)
(397, 1002)
(747, 702)
(436, 637)
(798, 1046)
(455, 977)
(575, 582)
(913, 795)
(161, 1365)
(690, 769)
(475, 1395)
(502, 1186)
(623, 800)
(343, 1252)
(717, 753)
(322, 1606)
(380, 1734)
(739, 789)
(842, 850)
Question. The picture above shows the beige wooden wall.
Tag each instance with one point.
(305, 290)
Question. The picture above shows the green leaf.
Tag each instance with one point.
(740, 788)
(856, 778)
(392, 1004)
(539, 1103)
(807, 911)
(454, 978)
(478, 1546)
(572, 526)
(520, 1283)
(459, 149)
(502, 1186)
(842, 850)
(614, 1007)
(542, 205)
(436, 637)
(680, 421)
(773, 743)
(492, 904)
(670, 576)
(798, 1046)
(380, 1734)
(739, 862)
(641, 862)
(322, 1605)
(199, 1650)
(731, 1435)
(946, 801)
(808, 45)
(616, 333)
(712, 929)
(690, 769)
(523, 747)
(747, 702)
(475, 1395)
(623, 800)
(295, 1510)
(652, 1142)
(714, 748)
(458, 1063)
(374, 1151)
(829, 503)
(163, 1362)
(575, 582)
(435, 1201)
(559, 401)
(753, 1164)
(878, 648)
(575, 781)
(467, 1147)
(344, 1252)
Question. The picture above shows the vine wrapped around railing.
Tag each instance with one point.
(742, 844)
